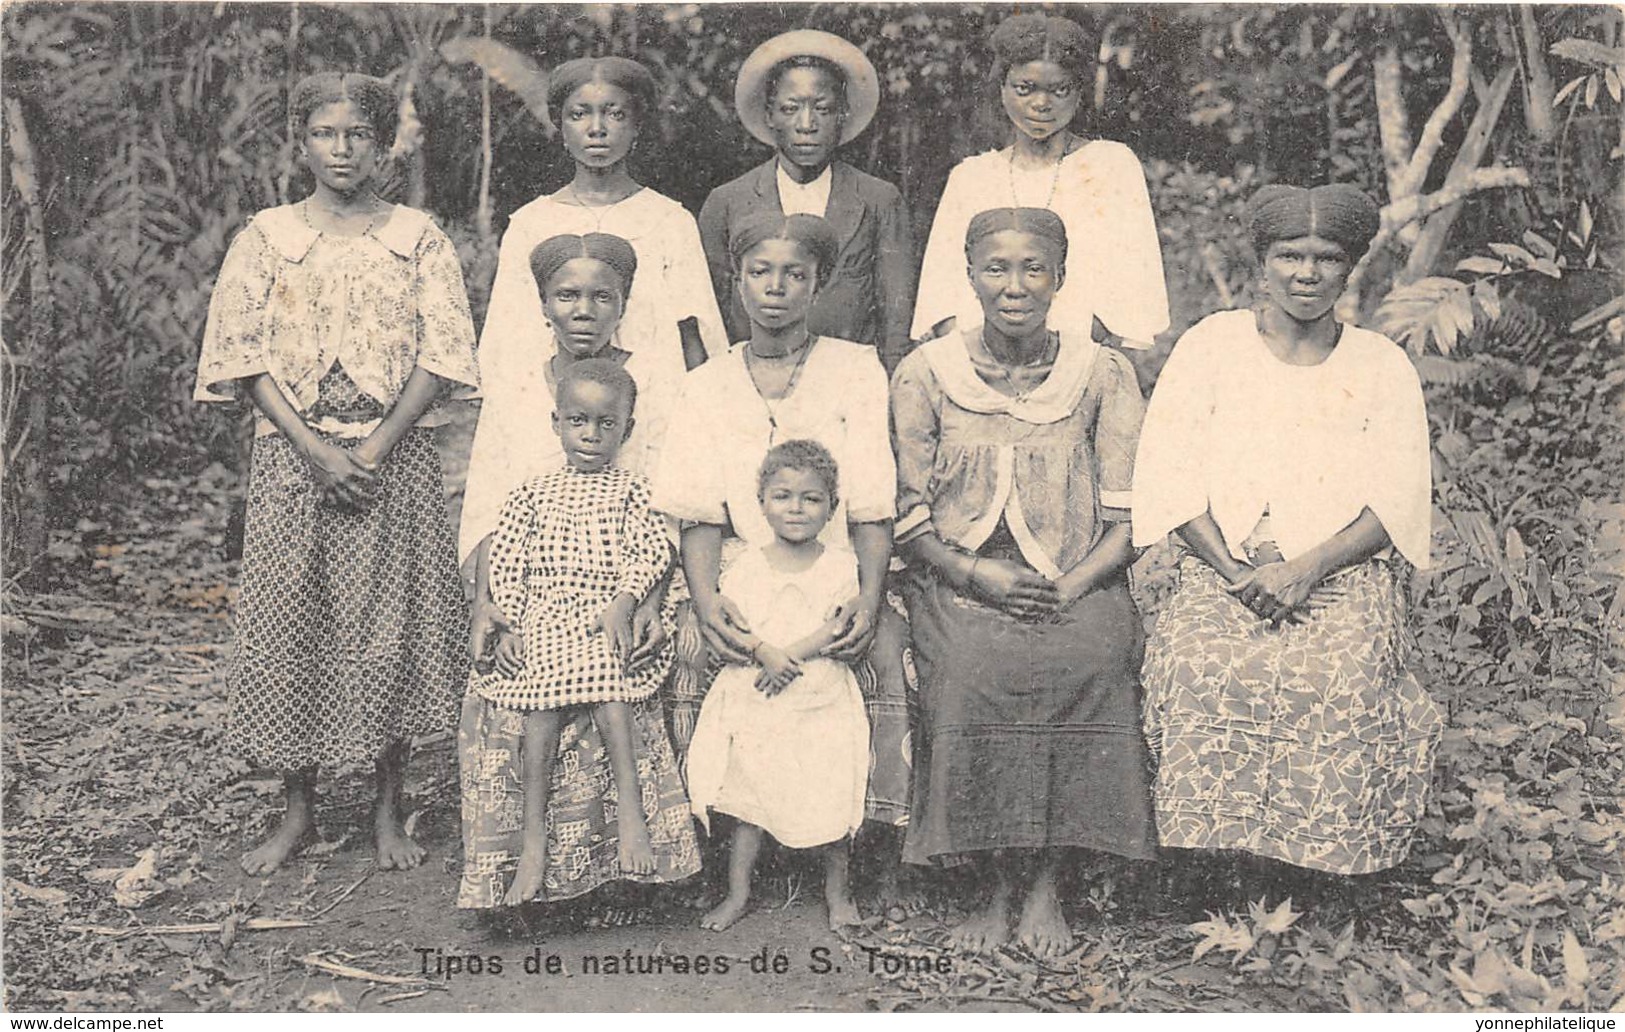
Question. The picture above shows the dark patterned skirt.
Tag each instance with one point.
(1312, 743)
(1030, 733)
(352, 629)
(583, 841)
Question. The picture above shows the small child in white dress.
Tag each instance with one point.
(783, 744)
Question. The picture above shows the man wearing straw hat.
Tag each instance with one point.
(806, 93)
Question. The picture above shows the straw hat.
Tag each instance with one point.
(862, 84)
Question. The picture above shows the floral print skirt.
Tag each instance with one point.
(1312, 743)
(583, 845)
(352, 629)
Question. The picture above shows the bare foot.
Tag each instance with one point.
(986, 929)
(396, 852)
(896, 893)
(636, 850)
(294, 832)
(528, 880)
(1043, 928)
(725, 913)
(842, 912)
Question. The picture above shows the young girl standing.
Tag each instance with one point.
(343, 318)
(564, 838)
(782, 743)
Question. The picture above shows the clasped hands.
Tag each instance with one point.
(348, 477)
(1280, 591)
(1022, 591)
(634, 631)
(726, 630)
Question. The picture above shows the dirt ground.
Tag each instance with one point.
(124, 816)
(404, 925)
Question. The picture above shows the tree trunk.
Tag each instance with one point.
(292, 79)
(483, 218)
(1436, 230)
(28, 499)
(1538, 92)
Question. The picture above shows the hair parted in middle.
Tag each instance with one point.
(1040, 37)
(1040, 222)
(375, 97)
(1339, 212)
(624, 72)
(804, 456)
(810, 231)
(549, 256)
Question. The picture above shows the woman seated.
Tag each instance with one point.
(1015, 446)
(1290, 454)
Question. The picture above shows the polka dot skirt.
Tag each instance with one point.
(351, 628)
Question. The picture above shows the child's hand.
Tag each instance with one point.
(779, 668)
(489, 621)
(510, 654)
(616, 623)
(648, 634)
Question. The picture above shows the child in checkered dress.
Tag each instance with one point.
(575, 552)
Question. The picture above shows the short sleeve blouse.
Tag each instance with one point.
(708, 468)
(292, 301)
(513, 440)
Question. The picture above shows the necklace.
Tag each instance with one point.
(1055, 178)
(372, 220)
(595, 210)
(789, 384)
(1006, 370)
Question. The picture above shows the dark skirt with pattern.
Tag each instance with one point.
(1030, 734)
(1312, 743)
(352, 629)
(583, 840)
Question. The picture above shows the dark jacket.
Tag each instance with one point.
(870, 299)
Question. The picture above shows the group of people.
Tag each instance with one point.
(760, 526)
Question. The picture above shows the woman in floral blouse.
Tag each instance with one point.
(343, 318)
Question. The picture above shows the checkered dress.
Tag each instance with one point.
(568, 542)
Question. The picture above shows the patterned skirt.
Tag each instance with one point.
(1312, 743)
(1030, 732)
(352, 629)
(583, 846)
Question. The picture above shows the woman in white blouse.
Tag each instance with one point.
(671, 323)
(1289, 454)
(1097, 187)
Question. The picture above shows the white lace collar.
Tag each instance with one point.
(1049, 402)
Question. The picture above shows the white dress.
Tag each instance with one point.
(514, 440)
(796, 764)
(1114, 259)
